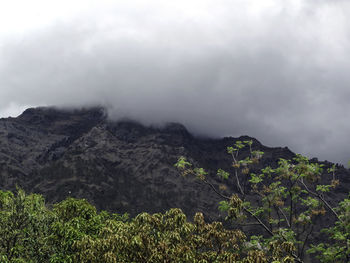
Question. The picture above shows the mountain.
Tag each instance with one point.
(119, 166)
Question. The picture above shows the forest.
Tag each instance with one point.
(289, 206)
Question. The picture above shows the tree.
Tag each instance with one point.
(74, 219)
(24, 227)
(167, 237)
(73, 231)
(291, 199)
(337, 249)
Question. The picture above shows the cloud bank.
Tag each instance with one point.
(277, 70)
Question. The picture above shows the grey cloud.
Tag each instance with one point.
(281, 77)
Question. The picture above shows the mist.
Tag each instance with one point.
(277, 71)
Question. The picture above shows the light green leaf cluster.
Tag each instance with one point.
(182, 163)
(221, 173)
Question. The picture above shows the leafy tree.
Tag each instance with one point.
(166, 237)
(73, 231)
(24, 227)
(290, 200)
(74, 219)
(337, 249)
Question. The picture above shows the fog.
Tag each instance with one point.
(274, 70)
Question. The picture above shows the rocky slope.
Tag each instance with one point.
(119, 166)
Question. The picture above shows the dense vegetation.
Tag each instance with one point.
(73, 231)
(290, 202)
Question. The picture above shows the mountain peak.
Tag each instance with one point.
(174, 127)
(121, 166)
(50, 114)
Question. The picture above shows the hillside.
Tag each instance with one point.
(119, 166)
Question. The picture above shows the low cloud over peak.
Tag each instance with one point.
(275, 70)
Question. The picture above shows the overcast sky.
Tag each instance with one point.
(277, 70)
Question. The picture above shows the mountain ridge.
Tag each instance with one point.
(120, 166)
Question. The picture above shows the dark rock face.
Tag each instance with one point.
(119, 166)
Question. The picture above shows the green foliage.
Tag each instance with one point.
(223, 206)
(200, 173)
(221, 173)
(323, 188)
(290, 203)
(74, 219)
(73, 231)
(24, 227)
(337, 249)
(182, 163)
(255, 179)
(165, 237)
(30, 232)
